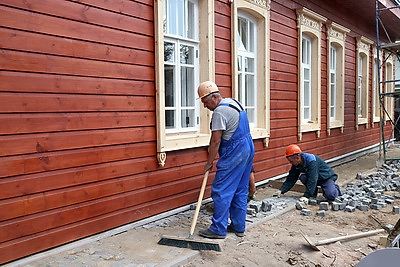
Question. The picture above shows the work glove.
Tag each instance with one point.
(303, 200)
(277, 194)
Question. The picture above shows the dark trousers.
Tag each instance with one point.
(330, 190)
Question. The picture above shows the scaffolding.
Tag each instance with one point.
(391, 49)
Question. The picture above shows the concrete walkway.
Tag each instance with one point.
(136, 244)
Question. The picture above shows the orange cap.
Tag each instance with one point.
(292, 150)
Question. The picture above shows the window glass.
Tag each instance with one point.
(191, 26)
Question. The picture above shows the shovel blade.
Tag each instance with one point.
(309, 241)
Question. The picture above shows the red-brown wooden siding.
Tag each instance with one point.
(77, 116)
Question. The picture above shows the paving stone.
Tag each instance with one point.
(251, 212)
(382, 203)
(388, 227)
(335, 206)
(256, 206)
(376, 206)
(396, 210)
(321, 213)
(354, 203)
(313, 202)
(366, 201)
(374, 200)
(363, 207)
(350, 208)
(300, 205)
(324, 206)
(266, 206)
(389, 201)
(305, 212)
(342, 206)
(360, 176)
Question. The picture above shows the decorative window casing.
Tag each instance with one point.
(184, 57)
(389, 88)
(309, 26)
(362, 96)
(250, 63)
(336, 61)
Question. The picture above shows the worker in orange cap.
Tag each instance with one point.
(312, 171)
(231, 139)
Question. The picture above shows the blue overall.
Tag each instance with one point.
(230, 186)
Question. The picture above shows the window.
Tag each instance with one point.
(309, 25)
(375, 90)
(250, 62)
(389, 88)
(332, 82)
(397, 76)
(182, 46)
(360, 85)
(247, 67)
(363, 50)
(180, 65)
(336, 43)
(306, 81)
(180, 105)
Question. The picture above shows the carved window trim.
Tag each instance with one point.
(310, 23)
(177, 141)
(260, 11)
(363, 51)
(336, 37)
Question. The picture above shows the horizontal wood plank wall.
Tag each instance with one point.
(223, 47)
(77, 116)
(77, 124)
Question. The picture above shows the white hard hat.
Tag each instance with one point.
(206, 88)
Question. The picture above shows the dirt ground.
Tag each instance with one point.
(278, 242)
(274, 241)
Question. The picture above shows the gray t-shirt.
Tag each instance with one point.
(226, 118)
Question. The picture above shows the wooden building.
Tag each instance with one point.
(100, 125)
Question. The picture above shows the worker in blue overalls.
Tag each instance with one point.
(230, 137)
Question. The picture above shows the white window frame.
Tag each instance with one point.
(310, 25)
(337, 39)
(389, 87)
(247, 68)
(199, 135)
(306, 79)
(333, 82)
(361, 63)
(376, 89)
(259, 12)
(178, 108)
(362, 92)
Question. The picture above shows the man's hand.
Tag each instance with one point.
(277, 194)
(208, 167)
(303, 200)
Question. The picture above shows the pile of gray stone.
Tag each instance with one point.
(369, 192)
